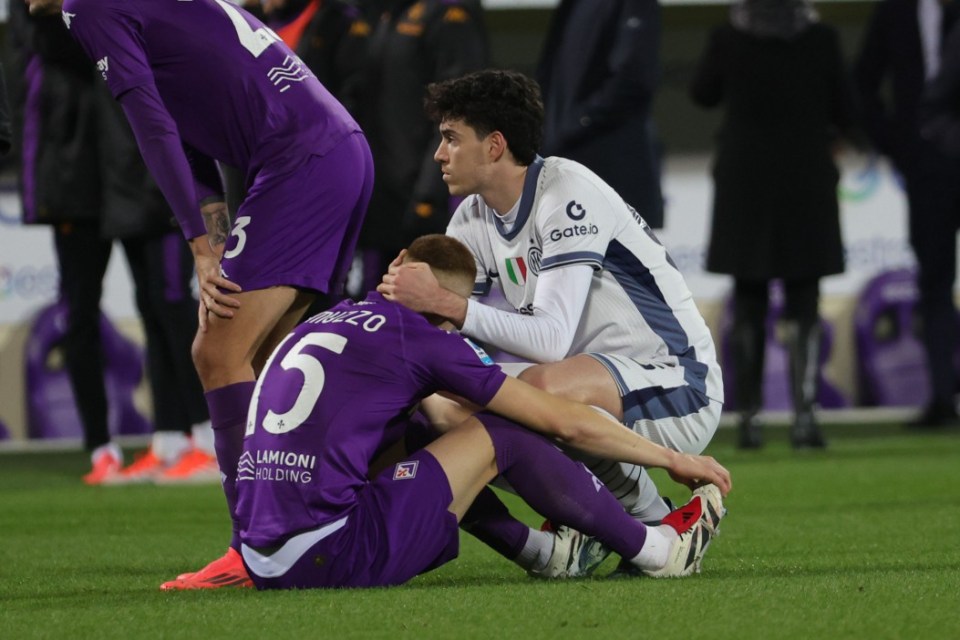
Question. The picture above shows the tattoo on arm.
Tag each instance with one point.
(217, 220)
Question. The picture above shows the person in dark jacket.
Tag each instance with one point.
(901, 48)
(779, 74)
(414, 43)
(939, 107)
(6, 121)
(330, 36)
(599, 71)
(82, 174)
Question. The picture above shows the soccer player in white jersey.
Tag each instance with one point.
(596, 301)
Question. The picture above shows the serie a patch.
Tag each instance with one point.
(405, 470)
(484, 358)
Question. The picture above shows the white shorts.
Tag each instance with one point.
(660, 404)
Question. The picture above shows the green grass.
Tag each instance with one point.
(860, 541)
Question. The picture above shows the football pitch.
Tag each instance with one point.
(860, 541)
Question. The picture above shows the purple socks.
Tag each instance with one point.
(489, 520)
(228, 415)
(559, 488)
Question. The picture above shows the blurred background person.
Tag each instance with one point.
(330, 36)
(901, 51)
(940, 103)
(6, 120)
(779, 75)
(599, 71)
(414, 43)
(82, 174)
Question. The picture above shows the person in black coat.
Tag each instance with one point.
(599, 71)
(901, 49)
(82, 174)
(6, 121)
(414, 43)
(331, 38)
(779, 74)
(939, 107)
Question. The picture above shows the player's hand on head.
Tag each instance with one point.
(413, 285)
(399, 259)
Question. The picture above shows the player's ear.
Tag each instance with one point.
(496, 145)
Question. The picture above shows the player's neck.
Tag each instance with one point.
(506, 188)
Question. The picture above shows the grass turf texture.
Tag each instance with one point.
(859, 541)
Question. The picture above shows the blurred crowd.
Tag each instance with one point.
(775, 69)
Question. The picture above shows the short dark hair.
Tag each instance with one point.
(493, 100)
(444, 254)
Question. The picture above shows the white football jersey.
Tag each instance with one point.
(639, 305)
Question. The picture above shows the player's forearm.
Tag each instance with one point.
(547, 334)
(449, 305)
(163, 154)
(216, 219)
(594, 433)
(535, 338)
(576, 425)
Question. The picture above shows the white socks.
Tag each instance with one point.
(202, 433)
(536, 551)
(169, 445)
(656, 549)
(110, 448)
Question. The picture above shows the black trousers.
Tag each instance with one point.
(751, 301)
(162, 271)
(933, 195)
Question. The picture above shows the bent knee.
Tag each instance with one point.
(538, 376)
(548, 379)
(202, 356)
(577, 383)
(216, 364)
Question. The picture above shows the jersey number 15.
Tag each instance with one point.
(314, 378)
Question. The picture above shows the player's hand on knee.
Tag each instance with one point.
(212, 289)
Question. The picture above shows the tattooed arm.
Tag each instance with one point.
(207, 252)
(207, 226)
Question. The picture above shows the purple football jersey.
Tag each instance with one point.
(335, 393)
(236, 92)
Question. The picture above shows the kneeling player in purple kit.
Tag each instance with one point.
(207, 76)
(340, 389)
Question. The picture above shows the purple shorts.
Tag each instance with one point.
(401, 527)
(300, 228)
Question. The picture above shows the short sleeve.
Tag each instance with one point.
(450, 362)
(111, 33)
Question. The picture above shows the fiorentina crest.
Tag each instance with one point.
(405, 470)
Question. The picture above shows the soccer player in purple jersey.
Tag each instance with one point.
(202, 80)
(340, 389)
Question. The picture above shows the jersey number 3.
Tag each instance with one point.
(254, 41)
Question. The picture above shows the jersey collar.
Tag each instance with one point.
(526, 201)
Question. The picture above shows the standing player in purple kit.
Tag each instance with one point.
(340, 390)
(205, 76)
